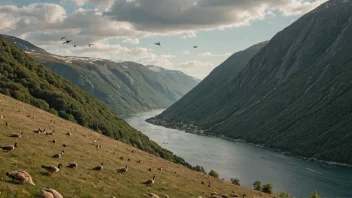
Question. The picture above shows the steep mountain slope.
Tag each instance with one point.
(127, 87)
(35, 150)
(210, 89)
(22, 78)
(294, 94)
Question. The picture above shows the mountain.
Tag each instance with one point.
(126, 87)
(25, 79)
(293, 95)
(35, 150)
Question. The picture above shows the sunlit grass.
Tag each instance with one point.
(34, 150)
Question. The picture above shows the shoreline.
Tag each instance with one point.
(287, 153)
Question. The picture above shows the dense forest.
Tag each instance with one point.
(24, 79)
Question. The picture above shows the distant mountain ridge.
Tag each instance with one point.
(293, 95)
(126, 87)
(25, 79)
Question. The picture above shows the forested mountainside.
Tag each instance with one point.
(293, 95)
(24, 79)
(126, 87)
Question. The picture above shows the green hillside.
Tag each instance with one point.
(126, 88)
(24, 79)
(293, 95)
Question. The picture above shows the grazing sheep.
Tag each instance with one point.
(59, 155)
(64, 145)
(203, 182)
(122, 170)
(129, 159)
(150, 169)
(52, 169)
(21, 176)
(50, 193)
(68, 134)
(121, 158)
(150, 181)
(139, 161)
(99, 168)
(15, 135)
(224, 196)
(72, 165)
(161, 168)
(53, 141)
(152, 195)
(9, 148)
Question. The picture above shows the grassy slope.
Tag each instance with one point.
(35, 150)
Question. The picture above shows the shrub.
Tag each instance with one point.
(235, 181)
(314, 194)
(267, 188)
(257, 185)
(199, 169)
(284, 195)
(213, 173)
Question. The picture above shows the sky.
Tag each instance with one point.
(126, 30)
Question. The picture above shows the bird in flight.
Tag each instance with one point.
(157, 44)
(195, 46)
(63, 38)
(90, 44)
(74, 45)
(67, 42)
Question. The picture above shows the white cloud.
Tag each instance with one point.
(131, 41)
(187, 16)
(300, 7)
(196, 68)
(101, 3)
(187, 52)
(209, 54)
(189, 34)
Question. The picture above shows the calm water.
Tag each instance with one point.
(249, 163)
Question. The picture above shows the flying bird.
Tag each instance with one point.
(67, 42)
(63, 38)
(74, 45)
(195, 46)
(90, 44)
(157, 44)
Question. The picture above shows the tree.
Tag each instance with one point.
(235, 181)
(284, 195)
(314, 194)
(257, 185)
(199, 169)
(267, 188)
(213, 173)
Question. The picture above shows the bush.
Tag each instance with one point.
(213, 173)
(267, 188)
(199, 169)
(235, 181)
(314, 194)
(284, 195)
(257, 185)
